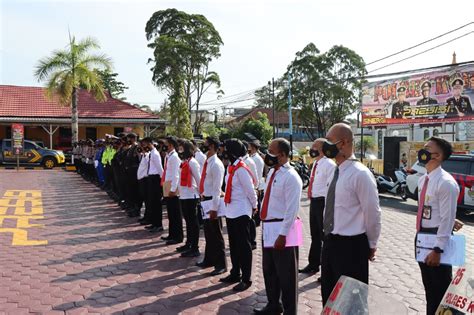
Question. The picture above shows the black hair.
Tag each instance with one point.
(147, 140)
(173, 141)
(194, 142)
(188, 148)
(283, 145)
(444, 145)
(214, 141)
(246, 144)
(235, 148)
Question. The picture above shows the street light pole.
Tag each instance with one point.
(290, 116)
(271, 86)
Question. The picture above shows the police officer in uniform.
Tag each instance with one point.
(401, 104)
(131, 163)
(425, 91)
(437, 204)
(458, 105)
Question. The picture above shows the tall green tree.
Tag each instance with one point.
(67, 70)
(115, 87)
(179, 124)
(325, 87)
(183, 46)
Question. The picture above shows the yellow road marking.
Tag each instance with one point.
(26, 205)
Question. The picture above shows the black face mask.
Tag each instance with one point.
(330, 149)
(164, 148)
(424, 156)
(181, 155)
(146, 149)
(204, 148)
(313, 153)
(271, 160)
(227, 156)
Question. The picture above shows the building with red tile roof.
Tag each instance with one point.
(46, 119)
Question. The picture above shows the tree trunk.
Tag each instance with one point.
(74, 117)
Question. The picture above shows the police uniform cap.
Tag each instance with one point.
(401, 89)
(457, 81)
(426, 84)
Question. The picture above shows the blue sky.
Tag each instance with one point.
(260, 37)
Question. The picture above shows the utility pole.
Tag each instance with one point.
(290, 116)
(271, 87)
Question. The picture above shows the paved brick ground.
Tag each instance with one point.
(99, 261)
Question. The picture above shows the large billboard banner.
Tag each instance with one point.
(430, 97)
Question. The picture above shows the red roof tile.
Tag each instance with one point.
(23, 101)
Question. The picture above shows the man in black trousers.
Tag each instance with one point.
(212, 176)
(351, 221)
(323, 168)
(281, 203)
(170, 183)
(131, 163)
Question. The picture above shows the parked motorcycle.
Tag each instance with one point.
(385, 184)
(302, 170)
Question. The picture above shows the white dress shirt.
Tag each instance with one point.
(143, 166)
(356, 204)
(154, 159)
(172, 169)
(442, 196)
(244, 197)
(324, 169)
(213, 181)
(200, 158)
(285, 195)
(253, 168)
(259, 164)
(192, 192)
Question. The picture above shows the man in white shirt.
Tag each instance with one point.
(198, 154)
(437, 203)
(142, 177)
(189, 197)
(281, 204)
(170, 183)
(241, 202)
(212, 176)
(351, 221)
(254, 153)
(323, 168)
(154, 191)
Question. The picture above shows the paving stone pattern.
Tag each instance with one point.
(98, 261)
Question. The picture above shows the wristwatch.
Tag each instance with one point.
(438, 250)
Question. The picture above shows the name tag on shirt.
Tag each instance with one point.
(427, 212)
(454, 254)
(271, 231)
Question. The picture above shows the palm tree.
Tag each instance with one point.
(70, 69)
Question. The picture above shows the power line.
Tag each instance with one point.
(424, 51)
(420, 44)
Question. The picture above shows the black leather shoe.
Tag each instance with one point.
(155, 229)
(268, 310)
(166, 238)
(144, 222)
(230, 279)
(218, 271)
(133, 214)
(309, 270)
(173, 242)
(149, 227)
(191, 253)
(242, 286)
(183, 248)
(203, 264)
(319, 280)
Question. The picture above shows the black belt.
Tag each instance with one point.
(206, 198)
(429, 230)
(343, 237)
(317, 198)
(272, 220)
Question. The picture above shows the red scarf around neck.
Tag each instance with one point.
(228, 187)
(186, 175)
